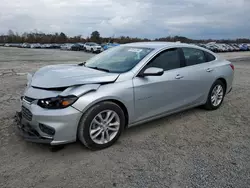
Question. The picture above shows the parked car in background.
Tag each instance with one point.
(248, 45)
(92, 47)
(243, 47)
(229, 48)
(202, 45)
(12, 45)
(81, 46)
(235, 47)
(25, 45)
(222, 47)
(46, 46)
(75, 47)
(37, 45)
(211, 46)
(124, 86)
(66, 46)
(55, 46)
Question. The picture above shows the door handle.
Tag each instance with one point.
(209, 70)
(178, 76)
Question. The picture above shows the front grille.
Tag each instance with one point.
(26, 113)
(28, 99)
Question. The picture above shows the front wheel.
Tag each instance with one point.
(215, 96)
(101, 125)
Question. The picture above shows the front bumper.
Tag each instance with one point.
(64, 123)
(97, 50)
(28, 133)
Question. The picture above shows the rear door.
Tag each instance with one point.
(198, 74)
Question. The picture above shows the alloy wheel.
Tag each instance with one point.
(217, 95)
(104, 127)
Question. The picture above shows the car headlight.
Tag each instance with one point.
(58, 102)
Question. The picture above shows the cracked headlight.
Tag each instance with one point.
(58, 102)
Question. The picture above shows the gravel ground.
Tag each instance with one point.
(195, 148)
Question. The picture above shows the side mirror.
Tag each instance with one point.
(152, 71)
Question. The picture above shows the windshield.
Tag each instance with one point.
(118, 59)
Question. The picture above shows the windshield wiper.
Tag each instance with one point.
(99, 68)
(81, 64)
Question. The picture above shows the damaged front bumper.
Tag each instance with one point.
(54, 127)
(28, 133)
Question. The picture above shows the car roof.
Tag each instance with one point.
(159, 45)
(162, 45)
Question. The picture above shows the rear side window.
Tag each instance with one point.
(166, 60)
(193, 56)
(209, 57)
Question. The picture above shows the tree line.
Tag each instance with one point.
(60, 38)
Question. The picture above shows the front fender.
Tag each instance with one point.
(120, 91)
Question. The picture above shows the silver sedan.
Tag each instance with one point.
(124, 86)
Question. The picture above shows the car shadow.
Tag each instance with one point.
(138, 129)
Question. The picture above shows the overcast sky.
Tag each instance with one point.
(136, 18)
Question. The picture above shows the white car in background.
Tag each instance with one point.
(25, 45)
(92, 47)
(36, 45)
(221, 47)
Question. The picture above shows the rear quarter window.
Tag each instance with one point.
(209, 56)
(193, 56)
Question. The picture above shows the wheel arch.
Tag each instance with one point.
(124, 109)
(116, 101)
(223, 80)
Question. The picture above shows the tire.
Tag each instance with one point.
(86, 124)
(92, 51)
(210, 105)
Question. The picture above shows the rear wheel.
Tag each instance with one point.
(101, 125)
(215, 96)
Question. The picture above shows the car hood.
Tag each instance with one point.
(56, 76)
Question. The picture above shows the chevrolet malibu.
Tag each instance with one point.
(124, 86)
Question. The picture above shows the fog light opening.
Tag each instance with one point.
(46, 129)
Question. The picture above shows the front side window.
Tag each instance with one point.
(118, 59)
(193, 56)
(166, 60)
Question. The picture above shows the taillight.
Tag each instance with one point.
(232, 66)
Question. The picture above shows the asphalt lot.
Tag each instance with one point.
(195, 148)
